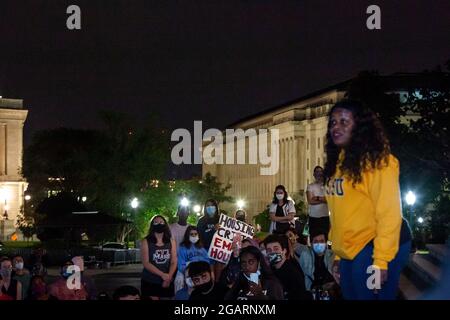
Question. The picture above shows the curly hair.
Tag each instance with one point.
(368, 148)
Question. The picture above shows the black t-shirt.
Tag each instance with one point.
(321, 273)
(281, 227)
(293, 280)
(216, 294)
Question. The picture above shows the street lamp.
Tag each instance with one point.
(27, 197)
(410, 198)
(240, 204)
(420, 220)
(134, 203)
(197, 209)
(184, 202)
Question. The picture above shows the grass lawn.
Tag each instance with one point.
(20, 244)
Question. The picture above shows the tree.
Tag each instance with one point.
(163, 198)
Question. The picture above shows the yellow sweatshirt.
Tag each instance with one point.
(371, 210)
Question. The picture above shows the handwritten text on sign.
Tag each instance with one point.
(229, 229)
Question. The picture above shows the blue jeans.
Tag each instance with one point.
(354, 277)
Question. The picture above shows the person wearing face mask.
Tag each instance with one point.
(87, 281)
(191, 249)
(21, 274)
(159, 258)
(10, 286)
(318, 214)
(60, 289)
(205, 288)
(207, 227)
(317, 262)
(286, 269)
(208, 224)
(241, 215)
(255, 280)
(281, 211)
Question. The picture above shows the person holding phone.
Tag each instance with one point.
(256, 281)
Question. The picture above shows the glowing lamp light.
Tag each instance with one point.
(410, 198)
(134, 203)
(240, 204)
(420, 220)
(197, 208)
(184, 202)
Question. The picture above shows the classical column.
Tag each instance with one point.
(3, 149)
(294, 166)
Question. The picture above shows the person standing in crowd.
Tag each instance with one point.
(21, 274)
(207, 227)
(159, 257)
(10, 286)
(208, 224)
(87, 281)
(281, 211)
(363, 195)
(241, 215)
(256, 280)
(178, 229)
(191, 249)
(39, 262)
(318, 214)
(317, 262)
(205, 288)
(38, 289)
(286, 269)
(60, 289)
(126, 293)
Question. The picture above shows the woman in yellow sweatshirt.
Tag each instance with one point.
(363, 196)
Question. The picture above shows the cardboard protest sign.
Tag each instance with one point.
(230, 230)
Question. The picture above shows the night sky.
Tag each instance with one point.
(202, 60)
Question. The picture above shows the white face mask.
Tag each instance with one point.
(19, 265)
(193, 240)
(254, 277)
(280, 196)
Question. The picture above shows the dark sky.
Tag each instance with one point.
(202, 60)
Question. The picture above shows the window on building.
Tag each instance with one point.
(318, 161)
(307, 144)
(318, 143)
(307, 164)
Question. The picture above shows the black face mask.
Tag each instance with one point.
(240, 218)
(159, 228)
(205, 287)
